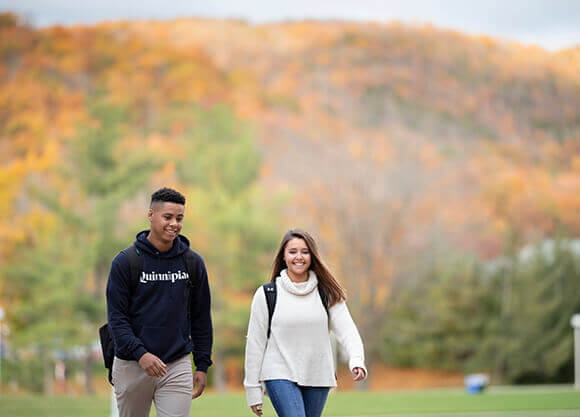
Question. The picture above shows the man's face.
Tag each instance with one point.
(166, 220)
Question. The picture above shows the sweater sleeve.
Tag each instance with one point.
(343, 327)
(127, 345)
(201, 324)
(256, 341)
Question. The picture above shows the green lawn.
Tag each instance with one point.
(509, 402)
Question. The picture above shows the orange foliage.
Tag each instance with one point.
(474, 135)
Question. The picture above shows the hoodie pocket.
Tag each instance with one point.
(162, 341)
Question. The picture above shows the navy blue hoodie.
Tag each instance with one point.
(152, 317)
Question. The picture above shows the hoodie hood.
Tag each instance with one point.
(180, 246)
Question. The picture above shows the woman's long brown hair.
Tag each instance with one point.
(332, 289)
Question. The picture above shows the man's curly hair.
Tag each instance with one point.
(167, 195)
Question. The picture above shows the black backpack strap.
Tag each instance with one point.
(323, 298)
(135, 260)
(191, 266)
(270, 293)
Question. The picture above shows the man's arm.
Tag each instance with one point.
(118, 302)
(201, 325)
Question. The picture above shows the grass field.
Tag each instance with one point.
(509, 402)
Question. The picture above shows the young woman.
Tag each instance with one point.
(294, 359)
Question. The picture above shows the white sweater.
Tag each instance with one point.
(299, 346)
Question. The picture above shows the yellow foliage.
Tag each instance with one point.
(523, 98)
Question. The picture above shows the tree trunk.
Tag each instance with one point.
(219, 372)
(88, 371)
(48, 379)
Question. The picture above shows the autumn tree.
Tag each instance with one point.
(509, 317)
(61, 302)
(231, 221)
(527, 335)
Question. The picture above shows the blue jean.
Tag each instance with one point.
(292, 400)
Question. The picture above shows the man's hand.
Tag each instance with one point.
(199, 380)
(257, 409)
(152, 365)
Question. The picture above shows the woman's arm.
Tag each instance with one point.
(256, 341)
(347, 335)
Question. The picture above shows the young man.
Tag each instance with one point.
(156, 322)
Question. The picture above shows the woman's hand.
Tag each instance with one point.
(257, 409)
(359, 374)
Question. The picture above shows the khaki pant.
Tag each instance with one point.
(135, 390)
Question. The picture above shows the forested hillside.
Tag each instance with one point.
(418, 156)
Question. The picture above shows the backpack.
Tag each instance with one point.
(135, 260)
(270, 292)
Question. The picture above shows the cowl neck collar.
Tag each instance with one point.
(298, 288)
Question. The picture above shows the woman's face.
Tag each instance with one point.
(297, 256)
